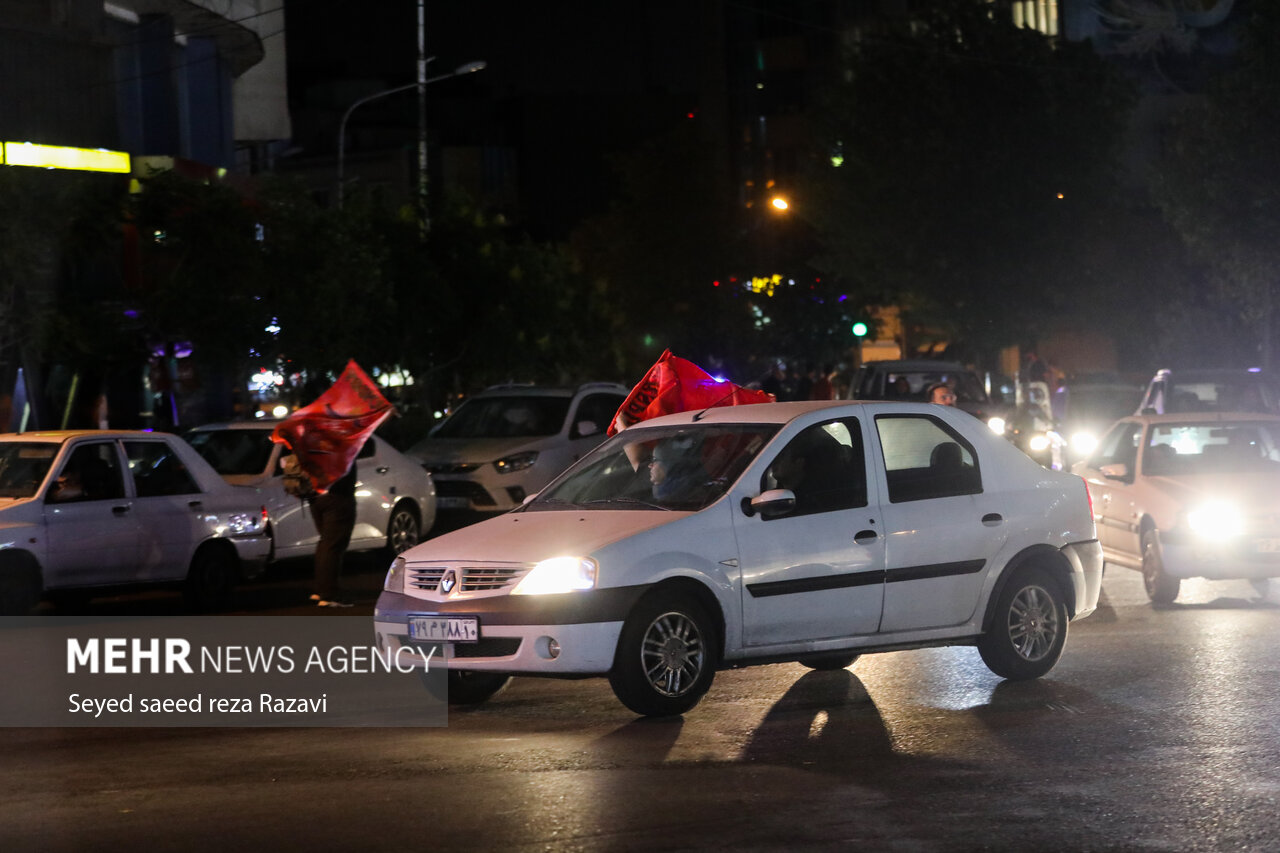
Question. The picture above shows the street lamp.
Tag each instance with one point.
(468, 68)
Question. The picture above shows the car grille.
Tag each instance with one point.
(451, 467)
(472, 578)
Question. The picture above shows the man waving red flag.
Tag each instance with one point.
(675, 384)
(326, 435)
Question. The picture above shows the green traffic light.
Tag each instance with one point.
(860, 329)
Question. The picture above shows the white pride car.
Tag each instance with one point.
(811, 532)
(1189, 495)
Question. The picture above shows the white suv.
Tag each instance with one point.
(507, 442)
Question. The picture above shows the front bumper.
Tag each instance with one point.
(1240, 559)
(516, 632)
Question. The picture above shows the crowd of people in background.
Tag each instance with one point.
(809, 381)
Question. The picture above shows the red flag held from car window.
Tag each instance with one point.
(675, 384)
(327, 435)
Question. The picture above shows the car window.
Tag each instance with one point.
(157, 471)
(91, 473)
(1211, 448)
(1119, 446)
(680, 468)
(598, 409)
(513, 416)
(924, 459)
(234, 451)
(824, 466)
(23, 466)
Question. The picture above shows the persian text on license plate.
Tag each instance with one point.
(446, 629)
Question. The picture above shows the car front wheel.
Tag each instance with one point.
(210, 579)
(666, 657)
(1028, 629)
(1161, 588)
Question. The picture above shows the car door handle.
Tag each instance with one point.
(194, 504)
(382, 469)
(120, 510)
(865, 537)
(993, 519)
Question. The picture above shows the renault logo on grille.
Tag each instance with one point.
(448, 581)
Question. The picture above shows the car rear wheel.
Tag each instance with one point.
(829, 661)
(20, 584)
(1161, 588)
(210, 578)
(403, 530)
(666, 657)
(1028, 629)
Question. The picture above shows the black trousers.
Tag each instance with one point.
(335, 518)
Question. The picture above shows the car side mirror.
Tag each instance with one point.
(770, 504)
(586, 428)
(1115, 471)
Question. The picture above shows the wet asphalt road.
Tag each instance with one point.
(1157, 731)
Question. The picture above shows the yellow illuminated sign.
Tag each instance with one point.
(63, 157)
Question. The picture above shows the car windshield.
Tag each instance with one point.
(1245, 393)
(23, 466)
(1212, 448)
(234, 452)
(515, 416)
(671, 468)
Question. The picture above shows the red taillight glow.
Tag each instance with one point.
(1088, 495)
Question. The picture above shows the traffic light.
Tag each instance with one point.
(859, 329)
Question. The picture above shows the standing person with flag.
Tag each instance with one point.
(326, 438)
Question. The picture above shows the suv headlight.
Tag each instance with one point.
(997, 425)
(394, 581)
(1216, 519)
(559, 574)
(516, 462)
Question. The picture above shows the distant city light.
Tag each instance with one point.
(779, 203)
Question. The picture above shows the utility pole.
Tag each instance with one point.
(424, 214)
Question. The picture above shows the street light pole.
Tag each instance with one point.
(468, 68)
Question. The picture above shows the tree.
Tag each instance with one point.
(1219, 185)
(975, 160)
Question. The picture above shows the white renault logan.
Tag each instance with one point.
(810, 532)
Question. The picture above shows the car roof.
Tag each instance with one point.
(773, 413)
(1203, 417)
(1209, 373)
(57, 436)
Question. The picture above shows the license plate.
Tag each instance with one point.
(452, 503)
(445, 629)
(1269, 546)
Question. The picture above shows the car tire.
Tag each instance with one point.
(403, 530)
(1028, 628)
(666, 656)
(829, 661)
(20, 585)
(465, 687)
(210, 579)
(1161, 588)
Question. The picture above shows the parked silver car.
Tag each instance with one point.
(395, 497)
(507, 442)
(81, 510)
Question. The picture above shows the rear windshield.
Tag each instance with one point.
(234, 452)
(506, 417)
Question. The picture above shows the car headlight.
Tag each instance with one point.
(516, 462)
(1084, 443)
(1216, 519)
(1039, 442)
(559, 574)
(394, 581)
(997, 425)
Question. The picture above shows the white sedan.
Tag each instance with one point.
(1190, 495)
(811, 532)
(92, 509)
(395, 497)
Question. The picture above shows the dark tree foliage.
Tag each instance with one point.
(976, 173)
(1219, 186)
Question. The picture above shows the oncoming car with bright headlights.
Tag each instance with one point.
(738, 535)
(1189, 495)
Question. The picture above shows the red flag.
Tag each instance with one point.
(675, 384)
(327, 435)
